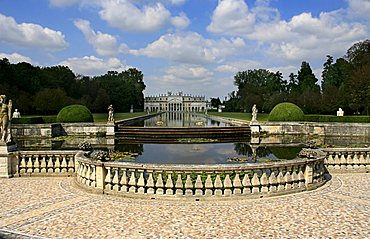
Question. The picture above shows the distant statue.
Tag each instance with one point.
(254, 113)
(110, 114)
(16, 114)
(5, 118)
(340, 112)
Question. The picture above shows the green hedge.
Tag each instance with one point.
(28, 120)
(75, 113)
(286, 112)
(333, 118)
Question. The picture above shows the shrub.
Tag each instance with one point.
(286, 112)
(74, 113)
(28, 120)
(333, 118)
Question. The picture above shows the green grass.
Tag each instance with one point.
(103, 117)
(240, 116)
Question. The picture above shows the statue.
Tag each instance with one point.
(110, 113)
(5, 118)
(254, 113)
(16, 114)
(340, 112)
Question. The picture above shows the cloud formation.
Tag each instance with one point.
(30, 35)
(92, 66)
(16, 58)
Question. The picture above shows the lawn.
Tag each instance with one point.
(240, 115)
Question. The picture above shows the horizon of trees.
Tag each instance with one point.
(345, 84)
(46, 90)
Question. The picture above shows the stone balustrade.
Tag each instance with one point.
(200, 182)
(347, 159)
(55, 163)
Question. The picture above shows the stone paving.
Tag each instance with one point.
(55, 208)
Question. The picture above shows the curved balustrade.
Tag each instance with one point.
(200, 181)
(347, 159)
(46, 162)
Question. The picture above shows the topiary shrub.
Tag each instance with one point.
(74, 113)
(286, 112)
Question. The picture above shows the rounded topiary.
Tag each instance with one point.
(74, 113)
(286, 112)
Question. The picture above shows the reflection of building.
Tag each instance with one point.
(175, 102)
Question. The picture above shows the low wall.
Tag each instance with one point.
(344, 160)
(200, 182)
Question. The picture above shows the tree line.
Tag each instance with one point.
(345, 84)
(46, 90)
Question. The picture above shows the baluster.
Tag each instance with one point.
(43, 164)
(199, 185)
(330, 161)
(88, 175)
(23, 165)
(208, 185)
(93, 176)
(108, 179)
(237, 184)
(57, 164)
(301, 183)
(123, 182)
(84, 171)
(159, 184)
(29, 164)
(150, 183)
(337, 161)
(288, 181)
(218, 185)
(356, 161)
(366, 159)
(273, 182)
(169, 184)
(50, 164)
(264, 182)
(188, 185)
(71, 164)
(132, 182)
(255, 183)
(280, 180)
(343, 162)
(179, 185)
(115, 180)
(246, 184)
(295, 179)
(141, 182)
(36, 164)
(64, 164)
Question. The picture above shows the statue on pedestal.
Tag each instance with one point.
(16, 114)
(5, 119)
(254, 113)
(110, 114)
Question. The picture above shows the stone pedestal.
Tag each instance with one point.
(8, 160)
(255, 128)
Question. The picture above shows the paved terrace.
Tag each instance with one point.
(54, 208)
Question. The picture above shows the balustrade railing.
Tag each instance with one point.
(46, 162)
(200, 181)
(347, 159)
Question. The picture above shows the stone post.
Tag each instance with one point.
(101, 173)
(308, 175)
(8, 160)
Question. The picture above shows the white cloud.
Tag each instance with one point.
(127, 16)
(181, 21)
(236, 66)
(63, 3)
(191, 47)
(30, 35)
(359, 8)
(15, 57)
(232, 17)
(92, 66)
(188, 72)
(305, 37)
(103, 43)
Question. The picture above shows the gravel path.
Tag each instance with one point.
(54, 208)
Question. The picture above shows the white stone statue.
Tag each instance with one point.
(5, 118)
(16, 114)
(340, 112)
(254, 113)
(110, 114)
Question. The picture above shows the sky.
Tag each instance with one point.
(193, 46)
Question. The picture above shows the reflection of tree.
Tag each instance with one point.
(243, 149)
(131, 148)
(285, 152)
(263, 152)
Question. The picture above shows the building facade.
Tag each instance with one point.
(175, 102)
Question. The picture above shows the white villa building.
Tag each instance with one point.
(175, 102)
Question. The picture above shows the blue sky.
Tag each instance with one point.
(194, 46)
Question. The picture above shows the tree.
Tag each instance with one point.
(215, 102)
(51, 101)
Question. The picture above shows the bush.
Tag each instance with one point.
(74, 113)
(49, 119)
(286, 112)
(333, 118)
(28, 120)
